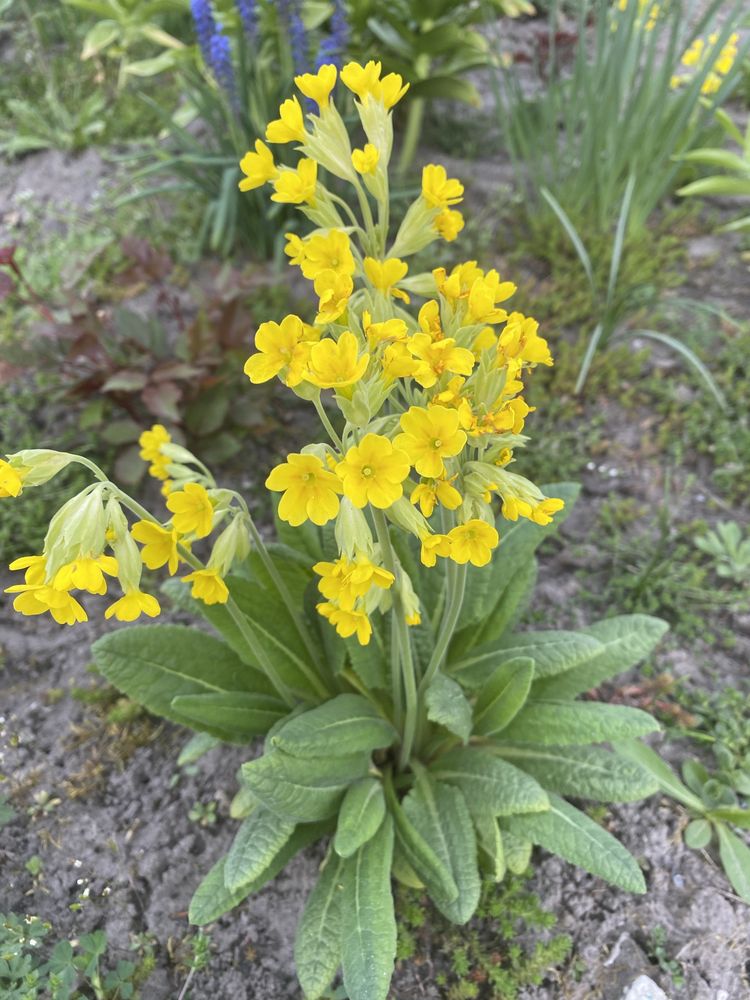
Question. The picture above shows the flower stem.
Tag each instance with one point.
(457, 589)
(327, 423)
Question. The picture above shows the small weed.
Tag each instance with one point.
(729, 551)
(657, 949)
(203, 813)
(721, 720)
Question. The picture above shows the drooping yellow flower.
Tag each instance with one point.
(347, 623)
(397, 362)
(151, 442)
(192, 510)
(86, 574)
(258, 167)
(331, 251)
(439, 190)
(159, 545)
(456, 286)
(373, 472)
(485, 295)
(390, 331)
(310, 490)
(289, 126)
(297, 187)
(365, 82)
(345, 581)
(540, 513)
(430, 492)
(365, 161)
(36, 600)
(520, 340)
(132, 605)
(35, 566)
(336, 364)
(449, 224)
(434, 546)
(11, 479)
(430, 435)
(385, 274)
(473, 542)
(334, 291)
(429, 320)
(207, 586)
(438, 357)
(318, 86)
(282, 349)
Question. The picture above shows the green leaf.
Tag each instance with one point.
(490, 844)
(697, 834)
(735, 859)
(317, 947)
(583, 772)
(731, 814)
(360, 816)
(668, 781)
(451, 88)
(717, 185)
(196, 746)
(257, 842)
(300, 788)
(440, 815)
(627, 639)
(549, 723)
(417, 853)
(489, 784)
(212, 899)
(447, 705)
(502, 696)
(517, 853)
(346, 724)
(368, 662)
(552, 652)
(242, 714)
(150, 67)
(368, 921)
(153, 664)
(99, 38)
(569, 833)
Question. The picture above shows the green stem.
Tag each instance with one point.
(452, 613)
(327, 423)
(411, 135)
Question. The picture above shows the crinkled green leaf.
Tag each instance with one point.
(566, 723)
(317, 947)
(360, 816)
(239, 713)
(257, 842)
(488, 783)
(552, 652)
(584, 772)
(447, 705)
(502, 696)
(344, 725)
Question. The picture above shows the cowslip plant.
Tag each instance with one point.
(373, 646)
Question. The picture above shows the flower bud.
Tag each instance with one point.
(352, 531)
(40, 464)
(78, 528)
(232, 546)
(406, 516)
(357, 409)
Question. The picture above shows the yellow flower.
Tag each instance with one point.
(439, 190)
(473, 542)
(384, 274)
(455, 287)
(485, 294)
(36, 600)
(365, 161)
(192, 510)
(389, 331)
(331, 251)
(434, 546)
(333, 291)
(365, 82)
(35, 566)
(310, 490)
(438, 357)
(520, 340)
(430, 435)
(398, 363)
(207, 586)
(318, 86)
(289, 126)
(297, 187)
(132, 605)
(485, 339)
(159, 545)
(336, 364)
(11, 479)
(540, 513)
(258, 167)
(347, 623)
(281, 347)
(151, 442)
(449, 224)
(373, 472)
(295, 249)
(86, 574)
(346, 581)
(433, 491)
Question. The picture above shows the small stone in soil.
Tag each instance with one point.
(644, 989)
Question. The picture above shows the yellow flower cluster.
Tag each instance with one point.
(697, 56)
(648, 12)
(430, 404)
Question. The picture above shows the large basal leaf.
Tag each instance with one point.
(502, 696)
(292, 566)
(212, 899)
(668, 781)
(735, 859)
(153, 664)
(627, 639)
(494, 599)
(569, 833)
(317, 946)
(552, 652)
(549, 723)
(418, 855)
(517, 853)
(239, 713)
(346, 724)
(300, 788)
(257, 842)
(584, 772)
(368, 662)
(440, 814)
(360, 816)
(447, 705)
(368, 921)
(490, 844)
(488, 783)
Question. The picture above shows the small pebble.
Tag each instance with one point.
(644, 989)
